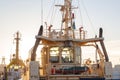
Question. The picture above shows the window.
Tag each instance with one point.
(54, 55)
(67, 55)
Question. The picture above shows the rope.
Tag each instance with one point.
(80, 11)
(53, 11)
(88, 17)
(42, 12)
(50, 12)
(53, 14)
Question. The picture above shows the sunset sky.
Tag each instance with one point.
(25, 16)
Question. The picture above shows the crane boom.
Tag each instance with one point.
(33, 54)
(103, 46)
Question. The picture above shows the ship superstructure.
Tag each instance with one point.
(61, 55)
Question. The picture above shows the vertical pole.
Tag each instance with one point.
(42, 12)
(17, 38)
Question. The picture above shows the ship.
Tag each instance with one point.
(16, 68)
(62, 50)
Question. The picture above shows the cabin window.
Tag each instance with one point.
(54, 55)
(67, 55)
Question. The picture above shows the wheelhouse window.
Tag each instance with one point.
(67, 55)
(54, 55)
(61, 55)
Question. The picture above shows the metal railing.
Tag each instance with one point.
(71, 34)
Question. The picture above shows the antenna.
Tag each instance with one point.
(42, 12)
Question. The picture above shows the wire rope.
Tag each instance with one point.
(49, 12)
(53, 14)
(88, 17)
(42, 12)
(53, 11)
(79, 8)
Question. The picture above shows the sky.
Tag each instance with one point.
(25, 16)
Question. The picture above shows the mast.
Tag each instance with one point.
(17, 38)
(67, 16)
(16, 61)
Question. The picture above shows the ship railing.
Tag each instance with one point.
(58, 34)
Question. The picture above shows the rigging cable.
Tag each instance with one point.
(80, 12)
(41, 12)
(51, 19)
(88, 17)
(50, 12)
(55, 14)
